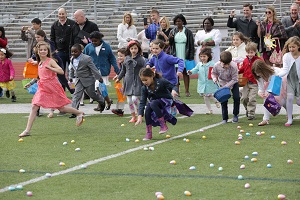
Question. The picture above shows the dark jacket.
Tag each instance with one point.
(61, 35)
(88, 27)
(190, 49)
(243, 25)
(288, 23)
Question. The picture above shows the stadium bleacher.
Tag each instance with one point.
(108, 14)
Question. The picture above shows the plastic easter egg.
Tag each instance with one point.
(240, 138)
(73, 141)
(253, 160)
(160, 197)
(173, 162)
(168, 136)
(48, 175)
(158, 193)
(262, 132)
(211, 165)
(284, 143)
(77, 149)
(254, 153)
(19, 187)
(273, 137)
(220, 168)
(127, 140)
(242, 131)
(238, 127)
(83, 166)
(62, 164)
(184, 139)
(151, 148)
(146, 149)
(137, 141)
(250, 125)
(187, 193)
(290, 161)
(240, 177)
(248, 134)
(237, 143)
(11, 188)
(122, 124)
(246, 157)
(187, 140)
(281, 196)
(203, 137)
(258, 133)
(192, 168)
(29, 193)
(201, 130)
(242, 167)
(247, 185)
(20, 140)
(65, 143)
(269, 166)
(22, 170)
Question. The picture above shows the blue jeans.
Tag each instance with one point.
(236, 103)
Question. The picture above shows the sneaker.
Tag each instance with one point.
(72, 116)
(224, 121)
(7, 94)
(251, 118)
(235, 119)
(13, 98)
(218, 104)
(118, 112)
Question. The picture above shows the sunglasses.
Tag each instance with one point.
(268, 12)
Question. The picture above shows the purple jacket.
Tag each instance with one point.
(165, 64)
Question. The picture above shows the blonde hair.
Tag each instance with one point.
(167, 22)
(292, 40)
(38, 45)
(272, 8)
(131, 19)
(251, 46)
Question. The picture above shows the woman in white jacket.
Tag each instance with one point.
(126, 31)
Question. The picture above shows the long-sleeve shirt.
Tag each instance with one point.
(246, 68)
(3, 42)
(288, 23)
(151, 31)
(227, 76)
(6, 70)
(125, 32)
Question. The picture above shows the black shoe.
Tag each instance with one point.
(101, 106)
(13, 98)
(1, 92)
(118, 112)
(72, 116)
(109, 104)
(7, 94)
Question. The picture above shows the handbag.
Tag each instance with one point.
(209, 73)
(272, 105)
(119, 90)
(30, 70)
(183, 108)
(189, 64)
(276, 57)
(274, 86)
(103, 89)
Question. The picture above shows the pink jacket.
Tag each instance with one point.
(6, 70)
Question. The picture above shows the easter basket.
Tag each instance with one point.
(242, 81)
(272, 105)
(222, 94)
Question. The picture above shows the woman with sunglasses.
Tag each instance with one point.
(273, 29)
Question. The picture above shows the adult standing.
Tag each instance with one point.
(164, 32)
(208, 37)
(245, 24)
(126, 31)
(3, 39)
(270, 28)
(151, 30)
(28, 34)
(61, 34)
(292, 23)
(181, 41)
(82, 29)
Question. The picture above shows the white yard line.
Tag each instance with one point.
(92, 162)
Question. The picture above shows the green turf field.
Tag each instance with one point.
(118, 169)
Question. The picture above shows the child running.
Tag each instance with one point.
(262, 73)
(291, 68)
(120, 105)
(206, 87)
(226, 73)
(7, 74)
(50, 93)
(250, 89)
(133, 63)
(160, 93)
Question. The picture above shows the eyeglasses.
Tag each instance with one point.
(268, 12)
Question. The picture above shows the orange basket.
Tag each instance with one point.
(242, 81)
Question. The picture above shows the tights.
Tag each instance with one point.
(133, 102)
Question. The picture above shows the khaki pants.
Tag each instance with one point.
(249, 98)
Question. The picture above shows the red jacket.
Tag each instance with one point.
(3, 42)
(246, 69)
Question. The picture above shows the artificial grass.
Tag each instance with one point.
(139, 174)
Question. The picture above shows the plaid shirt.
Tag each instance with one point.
(227, 76)
(151, 31)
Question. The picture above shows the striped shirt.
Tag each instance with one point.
(227, 76)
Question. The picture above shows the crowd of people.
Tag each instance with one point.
(260, 49)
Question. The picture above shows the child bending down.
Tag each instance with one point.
(160, 93)
(262, 73)
(206, 87)
(226, 73)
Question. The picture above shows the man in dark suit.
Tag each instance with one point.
(82, 28)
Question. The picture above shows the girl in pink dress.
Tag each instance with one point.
(50, 93)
